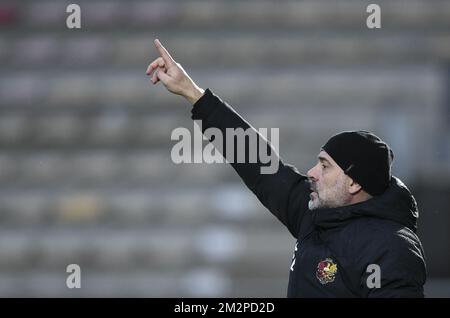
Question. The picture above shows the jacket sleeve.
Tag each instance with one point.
(285, 193)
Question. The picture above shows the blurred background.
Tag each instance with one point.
(86, 175)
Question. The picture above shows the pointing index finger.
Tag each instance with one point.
(165, 55)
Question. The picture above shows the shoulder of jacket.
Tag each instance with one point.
(392, 246)
(381, 234)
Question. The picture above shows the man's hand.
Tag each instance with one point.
(173, 76)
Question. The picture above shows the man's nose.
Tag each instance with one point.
(311, 174)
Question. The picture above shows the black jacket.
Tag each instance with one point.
(337, 250)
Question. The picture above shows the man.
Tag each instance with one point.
(354, 222)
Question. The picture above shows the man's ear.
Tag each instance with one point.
(354, 187)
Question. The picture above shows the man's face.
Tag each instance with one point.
(329, 184)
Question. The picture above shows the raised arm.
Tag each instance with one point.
(285, 192)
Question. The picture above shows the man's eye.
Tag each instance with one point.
(323, 166)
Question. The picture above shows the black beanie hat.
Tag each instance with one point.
(364, 157)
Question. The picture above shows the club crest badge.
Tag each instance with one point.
(326, 271)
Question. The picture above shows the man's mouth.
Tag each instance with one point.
(312, 189)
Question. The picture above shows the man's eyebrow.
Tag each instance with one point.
(323, 159)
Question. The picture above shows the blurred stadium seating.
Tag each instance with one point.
(85, 170)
